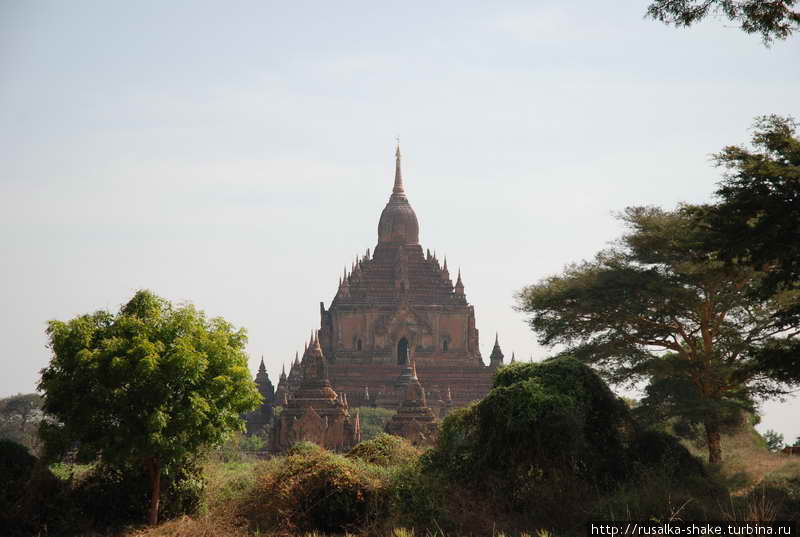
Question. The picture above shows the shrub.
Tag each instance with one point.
(384, 450)
(317, 490)
(538, 422)
(16, 465)
(549, 437)
(416, 500)
(112, 497)
(657, 449)
(775, 499)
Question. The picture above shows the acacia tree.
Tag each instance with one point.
(661, 307)
(148, 386)
(773, 19)
(759, 206)
(755, 222)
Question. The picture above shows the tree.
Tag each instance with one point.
(755, 221)
(773, 19)
(19, 419)
(661, 307)
(774, 440)
(760, 201)
(148, 386)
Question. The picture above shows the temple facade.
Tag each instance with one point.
(398, 304)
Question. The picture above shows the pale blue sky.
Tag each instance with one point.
(238, 154)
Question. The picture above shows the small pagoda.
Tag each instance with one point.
(315, 412)
(414, 420)
(260, 420)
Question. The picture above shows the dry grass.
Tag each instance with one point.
(209, 525)
(745, 456)
(759, 508)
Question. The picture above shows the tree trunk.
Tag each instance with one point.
(714, 442)
(154, 471)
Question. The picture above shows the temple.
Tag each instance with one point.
(315, 412)
(393, 307)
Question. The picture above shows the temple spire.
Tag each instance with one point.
(398, 174)
(496, 358)
(261, 367)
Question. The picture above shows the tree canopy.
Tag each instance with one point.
(759, 204)
(755, 221)
(773, 20)
(661, 306)
(148, 386)
(19, 419)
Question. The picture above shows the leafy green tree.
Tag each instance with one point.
(661, 307)
(149, 386)
(774, 19)
(774, 440)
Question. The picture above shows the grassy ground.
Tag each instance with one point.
(746, 461)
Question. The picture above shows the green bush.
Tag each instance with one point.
(100, 498)
(113, 497)
(416, 500)
(550, 437)
(540, 421)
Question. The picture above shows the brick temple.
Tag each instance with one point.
(395, 305)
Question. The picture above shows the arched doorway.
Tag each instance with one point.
(402, 351)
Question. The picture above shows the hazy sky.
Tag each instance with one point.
(238, 154)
